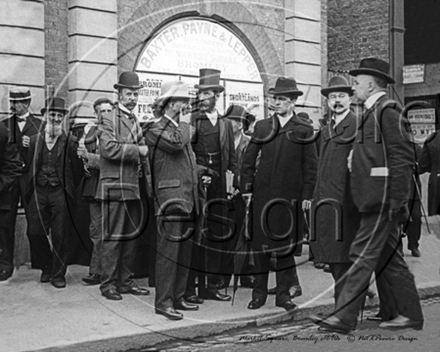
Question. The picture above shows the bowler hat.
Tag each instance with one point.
(19, 93)
(209, 79)
(54, 104)
(337, 84)
(239, 113)
(173, 89)
(128, 80)
(285, 86)
(374, 67)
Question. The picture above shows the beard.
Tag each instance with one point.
(207, 105)
(53, 130)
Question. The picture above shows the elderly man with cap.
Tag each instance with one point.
(51, 193)
(283, 183)
(381, 169)
(175, 185)
(330, 242)
(214, 148)
(22, 125)
(123, 186)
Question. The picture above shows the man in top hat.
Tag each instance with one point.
(123, 186)
(22, 125)
(381, 170)
(214, 149)
(50, 193)
(175, 185)
(282, 185)
(332, 186)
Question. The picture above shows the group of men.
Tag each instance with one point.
(204, 175)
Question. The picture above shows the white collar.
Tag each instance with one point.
(372, 99)
(212, 116)
(339, 118)
(123, 108)
(173, 121)
(25, 116)
(284, 119)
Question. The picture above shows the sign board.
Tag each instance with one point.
(422, 123)
(247, 95)
(413, 74)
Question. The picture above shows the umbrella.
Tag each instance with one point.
(239, 256)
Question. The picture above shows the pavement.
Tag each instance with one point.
(38, 317)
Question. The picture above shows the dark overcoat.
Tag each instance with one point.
(430, 162)
(383, 159)
(285, 175)
(328, 244)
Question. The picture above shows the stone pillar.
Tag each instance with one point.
(303, 52)
(92, 52)
(22, 51)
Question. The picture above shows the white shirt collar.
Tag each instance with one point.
(284, 119)
(123, 108)
(339, 118)
(372, 99)
(212, 116)
(173, 121)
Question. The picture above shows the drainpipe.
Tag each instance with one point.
(397, 29)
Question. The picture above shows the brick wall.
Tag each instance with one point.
(56, 39)
(357, 29)
(262, 23)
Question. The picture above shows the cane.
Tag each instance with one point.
(421, 203)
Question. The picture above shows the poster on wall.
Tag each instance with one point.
(248, 95)
(422, 123)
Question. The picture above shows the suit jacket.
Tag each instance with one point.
(229, 159)
(31, 128)
(10, 167)
(120, 163)
(383, 158)
(241, 149)
(286, 171)
(174, 169)
(333, 183)
(67, 161)
(90, 183)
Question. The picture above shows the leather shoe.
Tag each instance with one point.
(182, 305)
(377, 317)
(194, 299)
(112, 295)
(298, 291)
(272, 291)
(58, 282)
(416, 253)
(92, 279)
(327, 268)
(288, 305)
(334, 324)
(4, 275)
(217, 296)
(45, 277)
(136, 291)
(169, 313)
(256, 304)
(319, 265)
(402, 322)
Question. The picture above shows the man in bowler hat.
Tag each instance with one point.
(22, 124)
(51, 193)
(214, 149)
(122, 188)
(282, 184)
(381, 167)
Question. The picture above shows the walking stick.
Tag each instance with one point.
(421, 203)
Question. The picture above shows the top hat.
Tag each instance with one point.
(54, 104)
(128, 80)
(285, 86)
(19, 93)
(373, 67)
(209, 79)
(173, 89)
(337, 84)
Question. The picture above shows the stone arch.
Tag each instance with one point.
(148, 18)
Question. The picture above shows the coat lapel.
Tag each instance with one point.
(222, 129)
(61, 144)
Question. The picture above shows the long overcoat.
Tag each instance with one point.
(430, 162)
(285, 176)
(332, 200)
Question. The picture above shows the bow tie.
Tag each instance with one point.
(20, 119)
